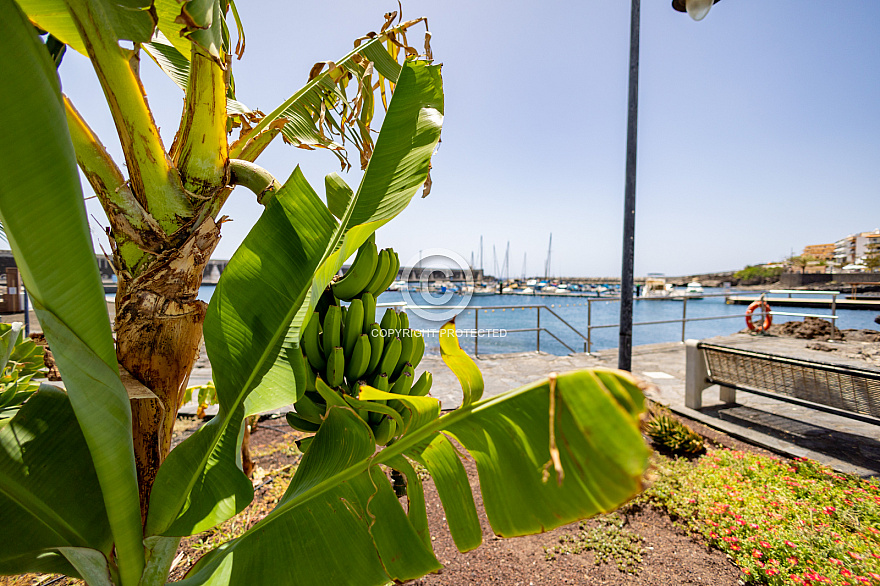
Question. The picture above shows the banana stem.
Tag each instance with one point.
(134, 230)
(200, 149)
(254, 177)
(154, 181)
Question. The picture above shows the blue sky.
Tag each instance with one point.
(759, 127)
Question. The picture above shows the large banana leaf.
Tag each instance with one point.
(41, 208)
(131, 19)
(199, 21)
(38, 514)
(339, 503)
(252, 328)
(202, 20)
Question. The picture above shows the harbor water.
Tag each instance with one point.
(497, 316)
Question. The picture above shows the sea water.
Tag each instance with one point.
(494, 316)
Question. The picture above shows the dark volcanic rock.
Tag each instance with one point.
(809, 329)
(861, 335)
(815, 328)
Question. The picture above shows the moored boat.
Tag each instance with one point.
(694, 290)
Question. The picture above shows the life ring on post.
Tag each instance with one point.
(765, 310)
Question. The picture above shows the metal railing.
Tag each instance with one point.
(476, 309)
(588, 338)
(537, 329)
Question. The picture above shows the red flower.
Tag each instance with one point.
(790, 544)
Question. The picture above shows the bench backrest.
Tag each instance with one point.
(848, 388)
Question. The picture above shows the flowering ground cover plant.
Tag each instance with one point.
(781, 521)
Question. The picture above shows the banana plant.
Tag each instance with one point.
(20, 361)
(88, 484)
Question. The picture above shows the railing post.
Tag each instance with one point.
(538, 329)
(833, 313)
(684, 309)
(27, 313)
(476, 332)
(589, 326)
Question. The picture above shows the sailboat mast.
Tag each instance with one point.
(547, 264)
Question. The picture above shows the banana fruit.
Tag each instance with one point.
(359, 274)
(345, 347)
(372, 271)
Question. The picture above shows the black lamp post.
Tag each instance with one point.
(697, 9)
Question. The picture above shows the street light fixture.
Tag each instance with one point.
(697, 9)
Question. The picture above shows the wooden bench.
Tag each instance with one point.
(840, 389)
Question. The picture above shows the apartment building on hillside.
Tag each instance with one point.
(820, 251)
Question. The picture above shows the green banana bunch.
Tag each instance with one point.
(345, 347)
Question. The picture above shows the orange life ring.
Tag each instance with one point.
(768, 319)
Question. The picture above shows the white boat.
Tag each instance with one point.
(398, 286)
(656, 286)
(527, 291)
(694, 290)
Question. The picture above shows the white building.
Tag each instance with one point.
(864, 242)
(845, 250)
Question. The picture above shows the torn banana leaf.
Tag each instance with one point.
(552, 452)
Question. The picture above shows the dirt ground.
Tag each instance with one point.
(668, 554)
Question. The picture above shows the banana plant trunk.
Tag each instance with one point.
(158, 332)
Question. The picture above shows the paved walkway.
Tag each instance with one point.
(844, 444)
